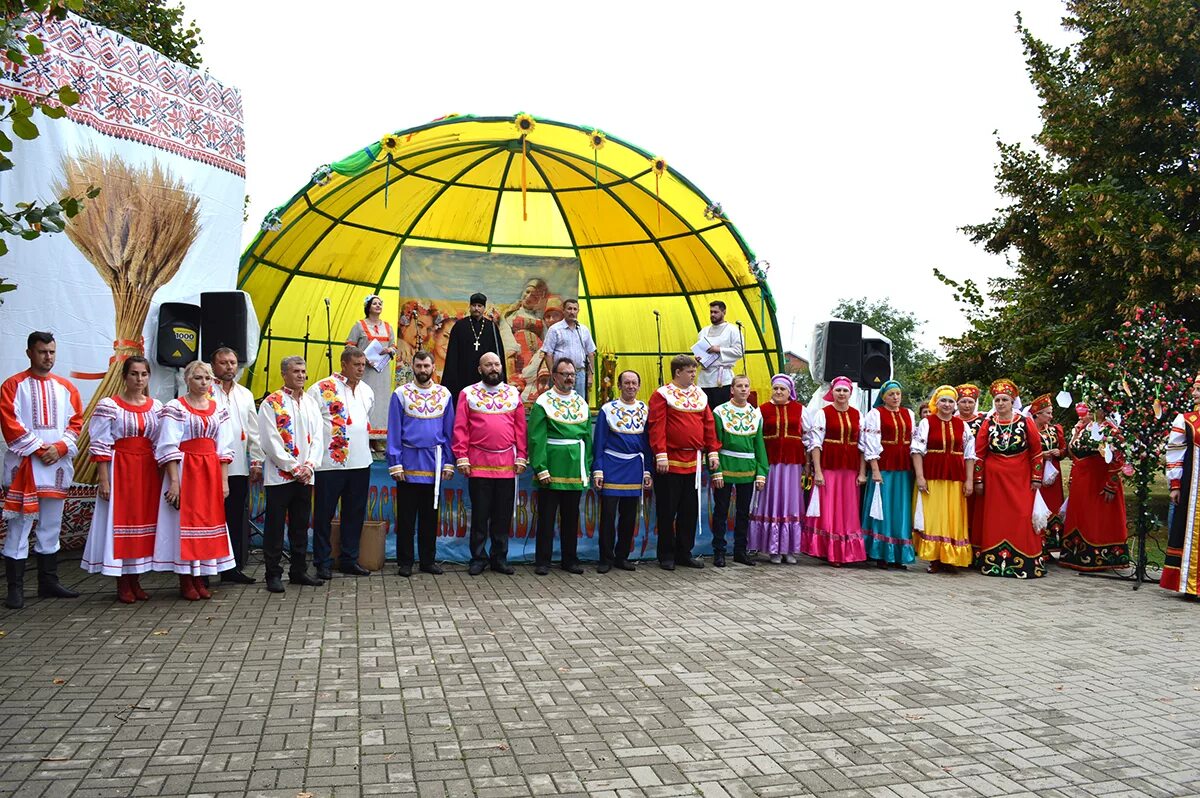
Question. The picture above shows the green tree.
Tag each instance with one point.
(910, 360)
(1104, 212)
(29, 220)
(152, 22)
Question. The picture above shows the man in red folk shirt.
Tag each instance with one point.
(682, 436)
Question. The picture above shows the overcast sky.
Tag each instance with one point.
(846, 141)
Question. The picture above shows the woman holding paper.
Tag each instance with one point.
(832, 530)
(1054, 449)
(886, 444)
(943, 457)
(1094, 531)
(1008, 473)
(380, 360)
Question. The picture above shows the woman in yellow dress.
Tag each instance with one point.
(943, 454)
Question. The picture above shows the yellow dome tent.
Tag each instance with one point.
(645, 237)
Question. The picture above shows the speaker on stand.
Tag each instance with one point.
(178, 340)
(876, 363)
(223, 323)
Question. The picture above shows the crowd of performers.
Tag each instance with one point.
(946, 484)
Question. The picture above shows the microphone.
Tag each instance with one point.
(655, 312)
(326, 301)
(739, 324)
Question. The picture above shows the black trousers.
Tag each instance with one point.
(289, 504)
(621, 532)
(565, 505)
(741, 517)
(416, 514)
(677, 505)
(717, 396)
(235, 519)
(491, 518)
(350, 487)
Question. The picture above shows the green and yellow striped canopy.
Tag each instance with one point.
(646, 238)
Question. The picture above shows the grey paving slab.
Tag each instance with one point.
(777, 681)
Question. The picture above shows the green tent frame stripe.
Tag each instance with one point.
(366, 160)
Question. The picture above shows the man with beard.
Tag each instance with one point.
(246, 467)
(489, 449)
(559, 452)
(420, 428)
(725, 341)
(470, 339)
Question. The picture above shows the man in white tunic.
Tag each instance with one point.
(344, 471)
(289, 425)
(725, 341)
(41, 417)
(246, 468)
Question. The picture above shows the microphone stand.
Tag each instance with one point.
(307, 318)
(328, 337)
(742, 334)
(658, 336)
(267, 370)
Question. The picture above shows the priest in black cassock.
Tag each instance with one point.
(470, 339)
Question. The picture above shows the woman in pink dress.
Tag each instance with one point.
(836, 534)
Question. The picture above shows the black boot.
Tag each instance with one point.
(48, 584)
(14, 570)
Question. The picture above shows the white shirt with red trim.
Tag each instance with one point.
(243, 420)
(35, 414)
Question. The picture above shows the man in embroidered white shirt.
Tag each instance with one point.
(725, 341)
(246, 468)
(344, 472)
(41, 417)
(289, 425)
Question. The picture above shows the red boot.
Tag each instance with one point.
(201, 585)
(138, 593)
(124, 590)
(187, 588)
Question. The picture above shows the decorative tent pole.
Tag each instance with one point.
(659, 165)
(388, 146)
(525, 126)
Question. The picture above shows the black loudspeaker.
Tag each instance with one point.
(222, 323)
(876, 363)
(843, 350)
(178, 334)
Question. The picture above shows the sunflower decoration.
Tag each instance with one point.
(525, 124)
(597, 139)
(390, 144)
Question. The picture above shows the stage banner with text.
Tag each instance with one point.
(525, 295)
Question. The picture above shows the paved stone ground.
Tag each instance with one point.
(777, 681)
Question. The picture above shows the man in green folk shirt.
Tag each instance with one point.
(743, 466)
(560, 450)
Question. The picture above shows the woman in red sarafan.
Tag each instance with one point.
(836, 534)
(1095, 529)
(776, 525)
(195, 445)
(1054, 451)
(123, 431)
(1008, 472)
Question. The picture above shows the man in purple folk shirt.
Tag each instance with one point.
(420, 426)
